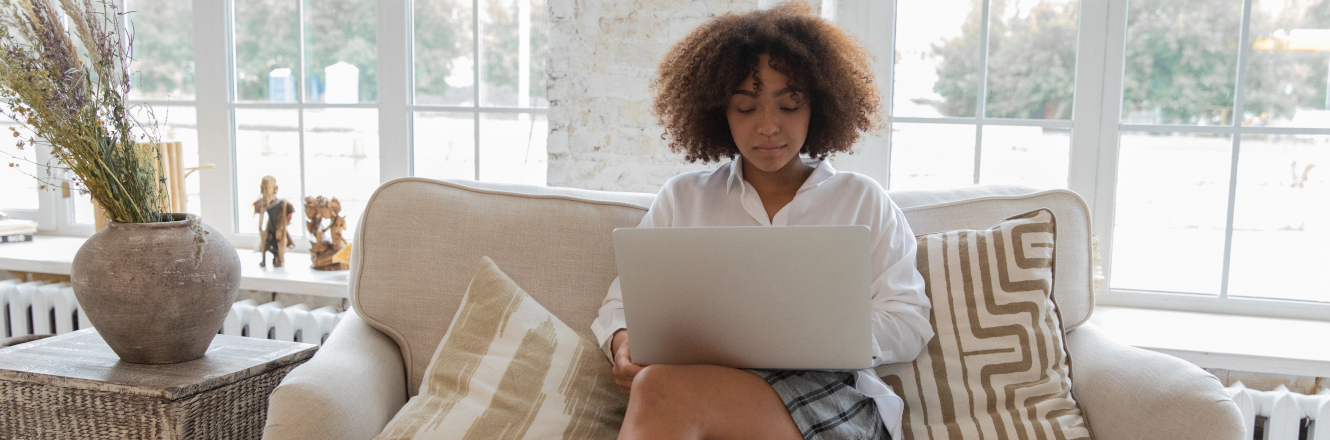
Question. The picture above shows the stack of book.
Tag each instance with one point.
(15, 231)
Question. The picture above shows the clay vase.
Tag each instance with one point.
(150, 293)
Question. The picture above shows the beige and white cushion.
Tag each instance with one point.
(998, 368)
(508, 369)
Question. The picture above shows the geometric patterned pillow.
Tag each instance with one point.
(998, 368)
(508, 369)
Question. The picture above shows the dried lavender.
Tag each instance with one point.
(72, 97)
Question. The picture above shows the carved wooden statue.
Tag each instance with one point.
(322, 250)
(273, 236)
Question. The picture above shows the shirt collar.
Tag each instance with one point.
(820, 174)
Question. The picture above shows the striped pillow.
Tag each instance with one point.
(998, 368)
(508, 369)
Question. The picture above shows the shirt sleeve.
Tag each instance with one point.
(900, 306)
(611, 317)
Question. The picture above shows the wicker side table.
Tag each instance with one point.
(74, 386)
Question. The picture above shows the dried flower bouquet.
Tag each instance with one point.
(71, 97)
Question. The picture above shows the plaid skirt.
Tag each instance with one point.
(825, 405)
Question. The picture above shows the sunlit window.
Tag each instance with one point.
(483, 121)
(1019, 56)
(1222, 188)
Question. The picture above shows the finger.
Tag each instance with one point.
(622, 358)
(630, 370)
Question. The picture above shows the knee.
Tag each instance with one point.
(658, 386)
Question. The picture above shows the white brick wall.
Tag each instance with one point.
(603, 56)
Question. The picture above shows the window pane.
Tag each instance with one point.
(509, 47)
(342, 158)
(1281, 220)
(1029, 156)
(512, 148)
(19, 175)
(929, 156)
(267, 42)
(82, 207)
(442, 48)
(1172, 206)
(1181, 62)
(444, 145)
(268, 144)
(179, 124)
(1032, 59)
(937, 58)
(163, 65)
(341, 53)
(1286, 71)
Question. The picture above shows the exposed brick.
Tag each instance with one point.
(603, 56)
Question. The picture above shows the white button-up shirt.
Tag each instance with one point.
(722, 197)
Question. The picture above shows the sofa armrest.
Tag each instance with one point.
(1127, 393)
(352, 387)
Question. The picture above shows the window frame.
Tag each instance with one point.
(1095, 133)
(1103, 201)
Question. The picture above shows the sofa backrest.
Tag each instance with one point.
(981, 207)
(420, 241)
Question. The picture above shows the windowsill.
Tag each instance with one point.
(55, 255)
(1241, 343)
(1209, 340)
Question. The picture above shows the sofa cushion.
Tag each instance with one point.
(998, 367)
(507, 368)
(981, 206)
(419, 240)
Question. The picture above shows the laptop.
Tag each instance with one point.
(795, 297)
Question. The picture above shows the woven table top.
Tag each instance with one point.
(82, 360)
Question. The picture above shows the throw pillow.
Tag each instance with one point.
(998, 368)
(508, 369)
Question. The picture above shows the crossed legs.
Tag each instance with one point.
(704, 402)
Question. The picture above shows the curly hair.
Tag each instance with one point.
(702, 71)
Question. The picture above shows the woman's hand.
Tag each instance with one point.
(624, 368)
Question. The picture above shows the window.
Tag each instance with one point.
(1224, 122)
(479, 120)
(1194, 129)
(1198, 131)
(1020, 57)
(304, 105)
(20, 176)
(163, 59)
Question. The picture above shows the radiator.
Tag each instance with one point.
(41, 308)
(1283, 411)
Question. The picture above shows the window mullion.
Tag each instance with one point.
(981, 101)
(50, 207)
(301, 98)
(1088, 98)
(475, 85)
(1237, 142)
(214, 86)
(1110, 115)
(395, 70)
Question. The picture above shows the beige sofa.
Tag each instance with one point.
(420, 241)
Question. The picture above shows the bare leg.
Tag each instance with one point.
(704, 402)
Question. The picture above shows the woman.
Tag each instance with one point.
(772, 87)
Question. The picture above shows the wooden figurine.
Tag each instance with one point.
(322, 251)
(273, 236)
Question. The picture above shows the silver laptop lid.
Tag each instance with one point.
(748, 297)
